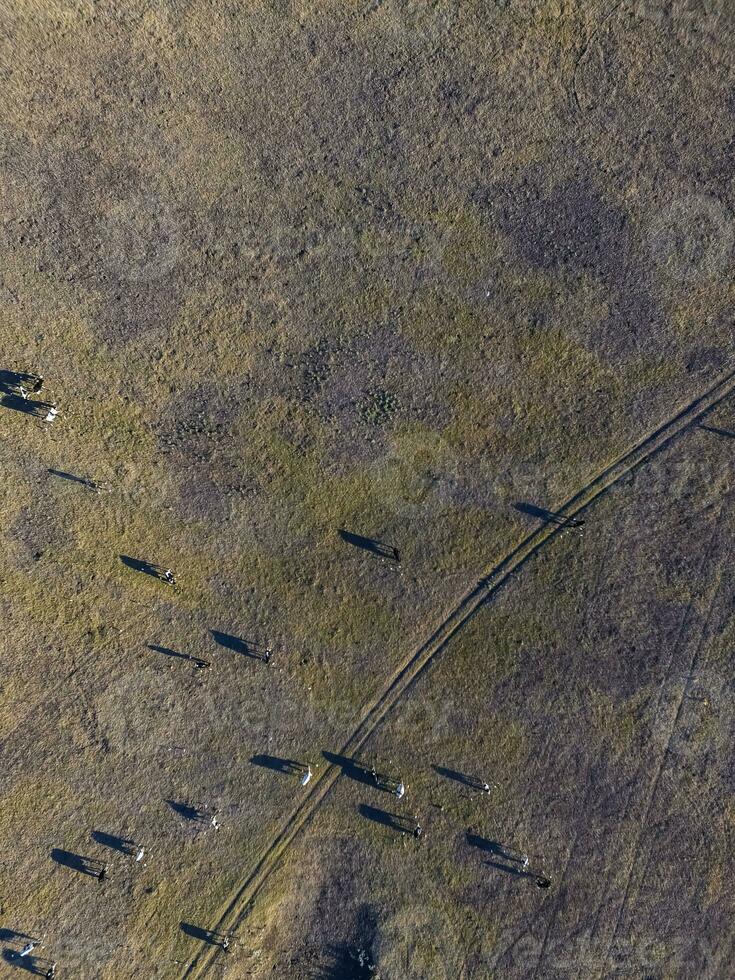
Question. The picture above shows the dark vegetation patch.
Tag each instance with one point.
(571, 228)
(200, 434)
(110, 231)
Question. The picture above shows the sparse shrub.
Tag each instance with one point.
(379, 406)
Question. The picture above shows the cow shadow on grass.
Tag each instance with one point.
(485, 844)
(196, 662)
(12, 935)
(472, 782)
(63, 475)
(168, 652)
(286, 766)
(351, 768)
(539, 880)
(547, 516)
(209, 936)
(34, 965)
(186, 810)
(121, 844)
(490, 846)
(505, 860)
(10, 381)
(393, 821)
(25, 406)
(509, 869)
(143, 566)
(371, 545)
(84, 865)
(238, 645)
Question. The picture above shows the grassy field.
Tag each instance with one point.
(406, 272)
(602, 722)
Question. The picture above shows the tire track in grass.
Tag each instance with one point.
(635, 786)
(634, 882)
(239, 903)
(582, 57)
(559, 886)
